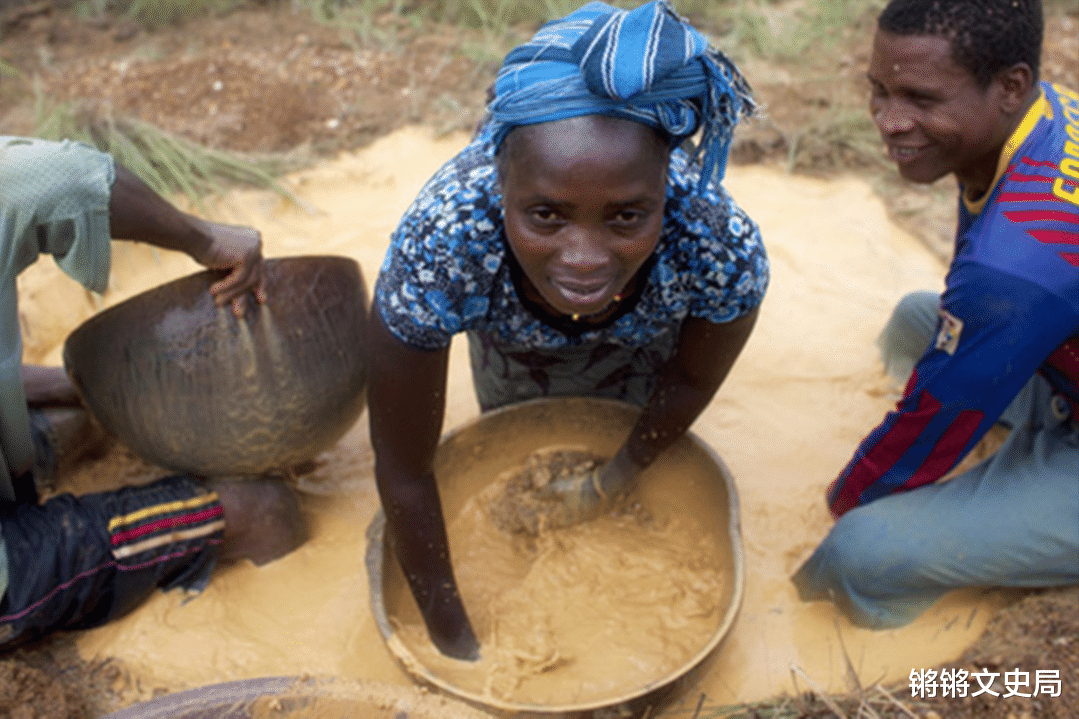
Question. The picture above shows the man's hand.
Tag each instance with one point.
(238, 249)
(138, 213)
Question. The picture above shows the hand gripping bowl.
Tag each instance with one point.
(688, 481)
(190, 387)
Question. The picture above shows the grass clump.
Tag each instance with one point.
(167, 163)
(155, 13)
(785, 31)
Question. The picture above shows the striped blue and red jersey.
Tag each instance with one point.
(1010, 309)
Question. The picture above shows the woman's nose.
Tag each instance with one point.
(585, 251)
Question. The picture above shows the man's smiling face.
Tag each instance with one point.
(932, 114)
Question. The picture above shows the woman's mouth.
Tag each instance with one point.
(584, 296)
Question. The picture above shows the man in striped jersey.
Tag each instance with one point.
(954, 89)
(76, 562)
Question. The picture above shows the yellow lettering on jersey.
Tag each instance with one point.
(1059, 191)
(1070, 167)
(1066, 92)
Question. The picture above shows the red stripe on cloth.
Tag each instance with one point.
(908, 427)
(1054, 237)
(1026, 197)
(948, 450)
(1020, 177)
(1038, 163)
(168, 523)
(1041, 216)
(1071, 257)
(1066, 359)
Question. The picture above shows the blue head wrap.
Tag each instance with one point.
(646, 65)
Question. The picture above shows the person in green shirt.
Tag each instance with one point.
(76, 562)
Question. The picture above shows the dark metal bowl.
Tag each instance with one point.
(300, 696)
(189, 386)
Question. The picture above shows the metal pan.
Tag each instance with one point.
(298, 697)
(472, 455)
(190, 387)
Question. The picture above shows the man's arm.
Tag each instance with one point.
(406, 403)
(1010, 325)
(138, 213)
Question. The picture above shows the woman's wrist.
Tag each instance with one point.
(617, 478)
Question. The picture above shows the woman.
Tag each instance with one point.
(582, 252)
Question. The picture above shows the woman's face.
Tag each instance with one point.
(583, 206)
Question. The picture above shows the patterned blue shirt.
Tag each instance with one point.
(447, 269)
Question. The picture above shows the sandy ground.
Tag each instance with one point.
(801, 396)
(805, 391)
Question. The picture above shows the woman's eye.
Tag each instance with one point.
(543, 215)
(629, 217)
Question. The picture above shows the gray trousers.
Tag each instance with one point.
(1011, 521)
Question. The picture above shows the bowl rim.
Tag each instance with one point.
(208, 701)
(203, 274)
(375, 562)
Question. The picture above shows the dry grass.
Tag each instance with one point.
(169, 164)
(154, 13)
(778, 32)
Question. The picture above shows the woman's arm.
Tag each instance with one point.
(703, 357)
(406, 403)
(138, 213)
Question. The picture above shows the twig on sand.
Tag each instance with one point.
(853, 682)
(795, 669)
(700, 704)
(888, 695)
(865, 709)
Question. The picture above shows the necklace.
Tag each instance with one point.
(576, 317)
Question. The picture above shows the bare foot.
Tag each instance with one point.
(262, 518)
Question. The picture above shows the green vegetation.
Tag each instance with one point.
(791, 33)
(785, 31)
(168, 163)
(154, 13)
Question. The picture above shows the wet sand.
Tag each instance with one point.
(806, 389)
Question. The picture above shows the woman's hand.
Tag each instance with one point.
(583, 497)
(406, 389)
